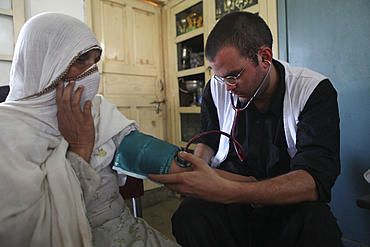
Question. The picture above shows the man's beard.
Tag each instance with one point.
(258, 77)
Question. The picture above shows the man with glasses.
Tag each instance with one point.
(287, 121)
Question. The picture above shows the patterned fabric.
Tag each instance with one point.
(110, 218)
(129, 231)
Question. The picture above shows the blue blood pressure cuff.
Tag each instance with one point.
(139, 155)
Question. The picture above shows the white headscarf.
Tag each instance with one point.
(47, 43)
(41, 199)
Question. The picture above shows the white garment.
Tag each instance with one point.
(299, 85)
(41, 198)
(42, 203)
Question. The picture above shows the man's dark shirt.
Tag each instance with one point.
(262, 136)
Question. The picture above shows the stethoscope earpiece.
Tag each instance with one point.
(264, 60)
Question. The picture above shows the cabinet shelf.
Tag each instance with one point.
(189, 35)
(189, 109)
(188, 49)
(192, 71)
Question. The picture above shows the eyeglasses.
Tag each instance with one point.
(230, 80)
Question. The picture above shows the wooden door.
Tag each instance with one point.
(131, 66)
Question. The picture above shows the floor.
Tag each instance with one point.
(158, 206)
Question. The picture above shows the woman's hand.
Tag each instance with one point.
(76, 126)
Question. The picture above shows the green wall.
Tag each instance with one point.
(333, 37)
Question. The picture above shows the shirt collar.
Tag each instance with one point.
(276, 105)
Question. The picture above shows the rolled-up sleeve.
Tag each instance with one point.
(318, 139)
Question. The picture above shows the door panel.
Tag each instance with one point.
(129, 84)
(113, 30)
(129, 32)
(143, 35)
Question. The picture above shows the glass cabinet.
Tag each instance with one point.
(224, 7)
(188, 24)
(187, 43)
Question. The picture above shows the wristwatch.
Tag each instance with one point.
(180, 161)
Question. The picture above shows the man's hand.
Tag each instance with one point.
(203, 182)
(77, 127)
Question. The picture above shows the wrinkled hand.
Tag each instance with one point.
(76, 126)
(203, 182)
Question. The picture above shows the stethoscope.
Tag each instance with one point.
(237, 145)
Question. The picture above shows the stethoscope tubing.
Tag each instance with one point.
(239, 146)
(254, 95)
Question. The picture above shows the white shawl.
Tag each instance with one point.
(41, 198)
(299, 83)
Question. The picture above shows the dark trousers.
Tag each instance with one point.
(201, 223)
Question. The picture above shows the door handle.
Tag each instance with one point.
(157, 110)
(161, 85)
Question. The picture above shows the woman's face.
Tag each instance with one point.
(82, 63)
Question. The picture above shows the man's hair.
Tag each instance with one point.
(244, 31)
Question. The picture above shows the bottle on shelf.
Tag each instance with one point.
(200, 93)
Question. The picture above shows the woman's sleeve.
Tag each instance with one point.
(88, 177)
(118, 138)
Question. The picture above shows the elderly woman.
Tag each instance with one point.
(57, 144)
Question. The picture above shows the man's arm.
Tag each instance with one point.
(206, 153)
(207, 184)
(289, 188)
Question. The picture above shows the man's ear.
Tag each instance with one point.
(266, 54)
